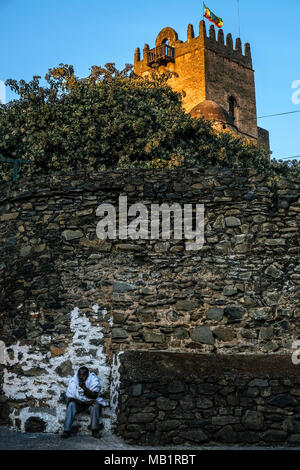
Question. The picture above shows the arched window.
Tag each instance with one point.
(165, 45)
(232, 109)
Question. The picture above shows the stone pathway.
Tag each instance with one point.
(17, 440)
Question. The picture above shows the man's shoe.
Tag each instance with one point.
(65, 434)
(96, 433)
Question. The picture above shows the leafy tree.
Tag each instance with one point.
(113, 119)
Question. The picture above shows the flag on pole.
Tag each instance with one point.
(209, 15)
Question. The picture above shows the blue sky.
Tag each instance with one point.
(38, 34)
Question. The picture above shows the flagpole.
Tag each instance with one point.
(239, 19)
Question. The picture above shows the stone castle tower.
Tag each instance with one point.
(217, 78)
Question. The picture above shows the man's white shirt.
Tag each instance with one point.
(92, 383)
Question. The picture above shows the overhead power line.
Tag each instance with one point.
(268, 115)
(262, 117)
(278, 114)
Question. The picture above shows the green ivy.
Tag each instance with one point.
(114, 119)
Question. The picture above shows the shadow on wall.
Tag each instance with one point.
(188, 398)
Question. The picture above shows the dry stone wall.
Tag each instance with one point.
(67, 297)
(191, 399)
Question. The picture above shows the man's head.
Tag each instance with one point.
(82, 373)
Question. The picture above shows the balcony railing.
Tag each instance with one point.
(160, 55)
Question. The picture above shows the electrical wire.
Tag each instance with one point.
(278, 114)
(272, 115)
(267, 116)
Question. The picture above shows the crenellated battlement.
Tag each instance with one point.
(226, 48)
(210, 68)
(211, 40)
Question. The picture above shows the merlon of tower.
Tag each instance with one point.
(169, 37)
(190, 32)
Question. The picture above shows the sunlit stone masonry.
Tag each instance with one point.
(191, 346)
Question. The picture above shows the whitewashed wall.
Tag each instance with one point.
(48, 386)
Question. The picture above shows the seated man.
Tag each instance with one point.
(83, 393)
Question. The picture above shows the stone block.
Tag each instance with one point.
(253, 420)
(232, 221)
(161, 247)
(260, 313)
(187, 305)
(120, 286)
(291, 425)
(55, 352)
(141, 418)
(224, 333)
(168, 425)
(25, 251)
(273, 272)
(119, 333)
(194, 435)
(65, 369)
(204, 403)
(34, 372)
(176, 386)
(266, 333)
(215, 313)
(258, 383)
(136, 390)
(10, 216)
(129, 247)
(202, 334)
(166, 405)
(229, 290)
(226, 435)
(70, 235)
(294, 439)
(187, 403)
(283, 400)
(234, 312)
(273, 435)
(225, 420)
(152, 337)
